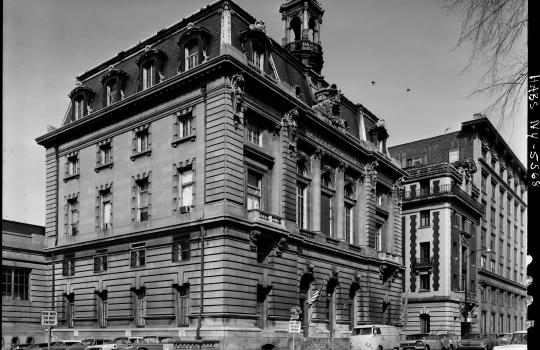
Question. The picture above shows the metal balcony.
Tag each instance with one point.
(443, 190)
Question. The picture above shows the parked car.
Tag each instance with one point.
(422, 341)
(376, 336)
(63, 344)
(153, 342)
(518, 341)
(127, 343)
(84, 344)
(474, 341)
(504, 337)
(449, 341)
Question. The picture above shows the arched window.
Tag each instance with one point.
(424, 323)
(150, 65)
(30, 340)
(113, 86)
(81, 99)
(296, 28)
(193, 43)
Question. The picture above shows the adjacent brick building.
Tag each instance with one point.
(501, 235)
(209, 179)
(25, 283)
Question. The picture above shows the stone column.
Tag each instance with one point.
(340, 204)
(316, 191)
(305, 19)
(277, 173)
(360, 214)
(285, 31)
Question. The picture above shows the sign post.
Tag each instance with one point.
(49, 319)
(294, 324)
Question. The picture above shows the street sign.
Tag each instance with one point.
(48, 318)
(294, 327)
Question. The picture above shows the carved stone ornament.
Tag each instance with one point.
(398, 189)
(350, 181)
(280, 246)
(254, 239)
(258, 25)
(303, 159)
(371, 172)
(388, 271)
(326, 170)
(329, 106)
(380, 123)
(237, 86)
(290, 123)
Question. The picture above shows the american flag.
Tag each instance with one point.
(315, 295)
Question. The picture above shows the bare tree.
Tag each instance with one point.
(496, 30)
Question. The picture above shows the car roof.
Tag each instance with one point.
(520, 332)
(373, 325)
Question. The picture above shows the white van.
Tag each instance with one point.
(374, 337)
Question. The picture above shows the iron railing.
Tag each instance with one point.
(443, 190)
(298, 45)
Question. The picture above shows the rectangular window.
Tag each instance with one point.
(453, 155)
(254, 190)
(326, 214)
(68, 266)
(424, 282)
(100, 263)
(483, 237)
(192, 56)
(493, 191)
(378, 237)
(483, 261)
(102, 309)
(105, 211)
(73, 217)
(15, 283)
(105, 154)
(484, 182)
(425, 252)
(78, 108)
(182, 311)
(301, 205)
(142, 200)
(185, 185)
(184, 126)
(349, 223)
(424, 218)
(181, 250)
(142, 141)
(73, 165)
(254, 133)
(258, 59)
(148, 75)
(493, 216)
(112, 91)
(140, 307)
(137, 257)
(69, 307)
(492, 265)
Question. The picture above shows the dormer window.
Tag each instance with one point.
(258, 58)
(148, 75)
(257, 47)
(193, 43)
(113, 86)
(150, 66)
(81, 99)
(192, 55)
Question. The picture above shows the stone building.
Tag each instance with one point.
(209, 179)
(441, 213)
(25, 283)
(501, 236)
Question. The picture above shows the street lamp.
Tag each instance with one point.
(466, 308)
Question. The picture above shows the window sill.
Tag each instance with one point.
(71, 177)
(103, 166)
(140, 154)
(178, 141)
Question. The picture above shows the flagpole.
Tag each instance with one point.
(311, 315)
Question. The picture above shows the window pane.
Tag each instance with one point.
(187, 195)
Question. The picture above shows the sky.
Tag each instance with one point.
(398, 44)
